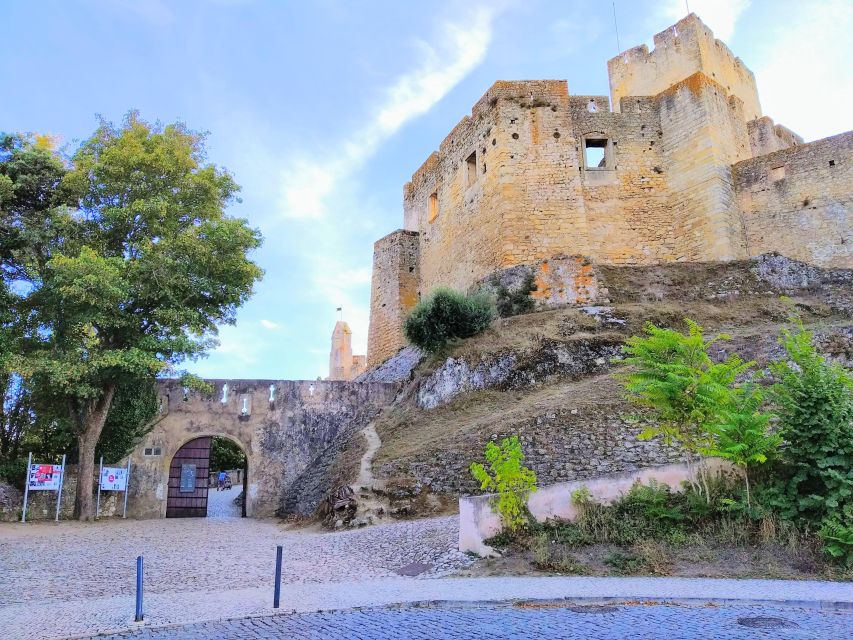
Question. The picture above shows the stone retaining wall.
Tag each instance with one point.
(478, 522)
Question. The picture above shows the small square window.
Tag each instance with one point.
(471, 169)
(596, 152)
(157, 451)
(148, 451)
(432, 207)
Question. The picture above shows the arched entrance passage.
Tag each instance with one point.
(191, 481)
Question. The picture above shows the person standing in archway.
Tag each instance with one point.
(221, 479)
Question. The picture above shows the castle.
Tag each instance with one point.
(677, 164)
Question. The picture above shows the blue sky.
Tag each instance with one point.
(322, 110)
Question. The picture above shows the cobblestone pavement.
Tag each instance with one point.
(187, 558)
(220, 504)
(206, 569)
(536, 620)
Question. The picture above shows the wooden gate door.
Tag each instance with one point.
(188, 480)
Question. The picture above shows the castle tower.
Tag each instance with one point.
(343, 365)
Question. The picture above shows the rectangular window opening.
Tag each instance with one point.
(471, 169)
(595, 153)
(432, 209)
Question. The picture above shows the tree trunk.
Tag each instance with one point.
(746, 481)
(89, 432)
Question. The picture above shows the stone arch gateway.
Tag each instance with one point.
(285, 428)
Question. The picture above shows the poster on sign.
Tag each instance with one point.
(45, 477)
(113, 479)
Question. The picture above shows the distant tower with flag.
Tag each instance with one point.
(343, 365)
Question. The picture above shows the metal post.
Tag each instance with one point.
(61, 482)
(100, 475)
(277, 596)
(139, 616)
(27, 487)
(126, 488)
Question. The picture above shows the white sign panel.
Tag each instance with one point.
(44, 477)
(114, 479)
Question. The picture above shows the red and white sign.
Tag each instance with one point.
(44, 477)
(113, 479)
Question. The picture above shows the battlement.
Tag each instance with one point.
(686, 48)
(526, 93)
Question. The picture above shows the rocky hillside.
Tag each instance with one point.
(548, 376)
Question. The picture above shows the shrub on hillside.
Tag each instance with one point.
(508, 476)
(448, 314)
(813, 400)
(517, 301)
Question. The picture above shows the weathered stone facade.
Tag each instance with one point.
(282, 426)
(683, 168)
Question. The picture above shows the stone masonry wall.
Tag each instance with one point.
(393, 293)
(627, 203)
(683, 49)
(286, 425)
(797, 201)
(766, 137)
(558, 445)
(704, 132)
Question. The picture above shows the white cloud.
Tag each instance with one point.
(269, 324)
(720, 15)
(317, 187)
(803, 71)
(307, 183)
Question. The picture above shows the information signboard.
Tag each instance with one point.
(187, 478)
(45, 477)
(113, 479)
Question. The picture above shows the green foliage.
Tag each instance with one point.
(447, 314)
(131, 416)
(512, 481)
(837, 536)
(513, 303)
(672, 375)
(813, 399)
(226, 455)
(124, 260)
(742, 432)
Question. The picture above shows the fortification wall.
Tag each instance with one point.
(683, 49)
(704, 133)
(287, 424)
(393, 293)
(521, 203)
(627, 202)
(766, 137)
(797, 201)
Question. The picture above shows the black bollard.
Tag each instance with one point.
(277, 593)
(138, 617)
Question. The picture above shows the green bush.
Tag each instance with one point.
(510, 478)
(448, 314)
(814, 403)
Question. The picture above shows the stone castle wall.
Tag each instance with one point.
(287, 424)
(685, 144)
(394, 291)
(798, 201)
(683, 49)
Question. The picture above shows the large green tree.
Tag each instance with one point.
(128, 270)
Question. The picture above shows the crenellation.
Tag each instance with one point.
(662, 170)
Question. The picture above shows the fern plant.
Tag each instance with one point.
(672, 375)
(512, 481)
